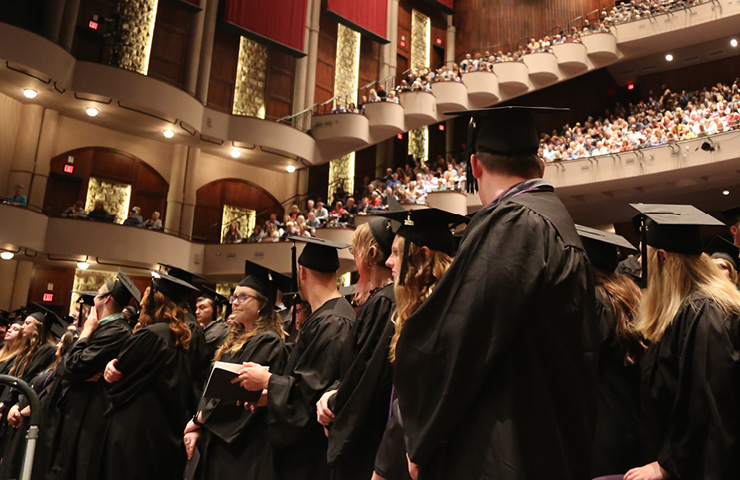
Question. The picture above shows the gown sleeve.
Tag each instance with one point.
(89, 356)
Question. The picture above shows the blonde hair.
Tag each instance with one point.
(165, 310)
(10, 349)
(422, 276)
(674, 282)
(370, 256)
(239, 334)
(726, 265)
(29, 347)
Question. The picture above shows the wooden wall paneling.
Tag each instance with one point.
(147, 180)
(113, 165)
(369, 61)
(87, 44)
(279, 84)
(62, 277)
(326, 60)
(365, 165)
(223, 70)
(61, 192)
(694, 77)
(169, 43)
(437, 142)
(318, 181)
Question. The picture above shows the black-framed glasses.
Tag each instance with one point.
(241, 298)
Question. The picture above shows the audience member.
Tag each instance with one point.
(153, 223)
(17, 198)
(99, 214)
(134, 218)
(76, 211)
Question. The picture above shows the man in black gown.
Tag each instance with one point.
(313, 366)
(208, 309)
(75, 448)
(495, 372)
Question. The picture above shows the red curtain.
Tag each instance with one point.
(280, 23)
(369, 17)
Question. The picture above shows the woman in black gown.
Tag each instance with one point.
(232, 441)
(151, 390)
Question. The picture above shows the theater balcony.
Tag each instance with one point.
(386, 119)
(483, 89)
(420, 108)
(450, 96)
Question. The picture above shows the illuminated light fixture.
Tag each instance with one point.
(7, 255)
(30, 93)
(168, 133)
(290, 169)
(156, 275)
(235, 153)
(92, 111)
(733, 42)
(83, 265)
(669, 57)
(725, 192)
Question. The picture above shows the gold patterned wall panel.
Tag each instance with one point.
(89, 280)
(344, 280)
(342, 172)
(251, 71)
(242, 217)
(137, 32)
(421, 39)
(225, 289)
(115, 197)
(419, 144)
(347, 69)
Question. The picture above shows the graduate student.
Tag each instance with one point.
(208, 310)
(84, 303)
(690, 317)
(617, 443)
(151, 393)
(495, 371)
(298, 440)
(79, 424)
(356, 407)
(232, 441)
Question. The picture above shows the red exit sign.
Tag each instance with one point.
(69, 168)
(48, 297)
(93, 24)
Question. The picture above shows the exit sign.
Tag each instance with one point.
(69, 168)
(48, 297)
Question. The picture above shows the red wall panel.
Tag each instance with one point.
(280, 23)
(369, 17)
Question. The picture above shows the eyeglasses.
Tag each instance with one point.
(241, 298)
(351, 251)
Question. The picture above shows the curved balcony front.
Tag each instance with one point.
(601, 47)
(420, 108)
(449, 200)
(339, 133)
(513, 77)
(483, 88)
(386, 119)
(572, 57)
(44, 59)
(450, 96)
(542, 66)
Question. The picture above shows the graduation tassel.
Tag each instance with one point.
(471, 181)
(294, 278)
(643, 250)
(404, 262)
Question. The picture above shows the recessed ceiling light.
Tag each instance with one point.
(168, 133)
(83, 265)
(92, 111)
(733, 42)
(236, 153)
(30, 93)
(290, 169)
(669, 57)
(725, 192)
(7, 255)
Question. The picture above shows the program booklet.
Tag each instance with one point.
(219, 384)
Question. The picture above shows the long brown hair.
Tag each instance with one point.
(239, 334)
(10, 349)
(165, 310)
(421, 278)
(673, 283)
(30, 347)
(623, 298)
(367, 249)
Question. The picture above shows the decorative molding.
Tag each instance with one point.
(419, 144)
(251, 72)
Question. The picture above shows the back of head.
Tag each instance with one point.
(527, 166)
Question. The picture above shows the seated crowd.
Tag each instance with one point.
(100, 214)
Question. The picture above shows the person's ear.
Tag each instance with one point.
(662, 257)
(427, 253)
(734, 230)
(476, 165)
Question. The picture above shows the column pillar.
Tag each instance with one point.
(301, 67)
(313, 52)
(176, 191)
(26, 142)
(7, 281)
(69, 23)
(450, 50)
(42, 162)
(206, 50)
(450, 138)
(393, 22)
(21, 284)
(188, 199)
(383, 153)
(195, 41)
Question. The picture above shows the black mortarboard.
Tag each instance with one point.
(86, 297)
(282, 282)
(214, 295)
(172, 287)
(721, 248)
(601, 247)
(383, 231)
(183, 274)
(429, 227)
(503, 131)
(52, 323)
(122, 289)
(732, 215)
(260, 280)
(4, 318)
(319, 254)
(22, 312)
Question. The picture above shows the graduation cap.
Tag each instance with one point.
(52, 323)
(673, 228)
(732, 215)
(214, 296)
(171, 287)
(86, 297)
(122, 289)
(319, 254)
(4, 318)
(502, 131)
(182, 274)
(265, 281)
(383, 231)
(721, 248)
(22, 312)
(429, 228)
(601, 247)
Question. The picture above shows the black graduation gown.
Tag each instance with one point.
(691, 394)
(297, 438)
(362, 399)
(215, 334)
(617, 443)
(390, 460)
(75, 448)
(200, 362)
(496, 370)
(149, 408)
(233, 442)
